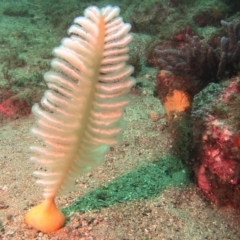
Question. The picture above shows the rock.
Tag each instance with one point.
(215, 121)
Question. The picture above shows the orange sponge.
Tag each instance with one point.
(45, 217)
(177, 101)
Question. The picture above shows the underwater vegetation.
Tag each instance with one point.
(198, 64)
(190, 51)
(205, 111)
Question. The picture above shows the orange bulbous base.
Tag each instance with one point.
(45, 217)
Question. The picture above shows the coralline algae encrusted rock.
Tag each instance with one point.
(216, 142)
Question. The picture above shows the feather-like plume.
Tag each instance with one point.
(80, 115)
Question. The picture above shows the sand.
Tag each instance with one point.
(127, 198)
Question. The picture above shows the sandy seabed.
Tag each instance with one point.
(176, 212)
